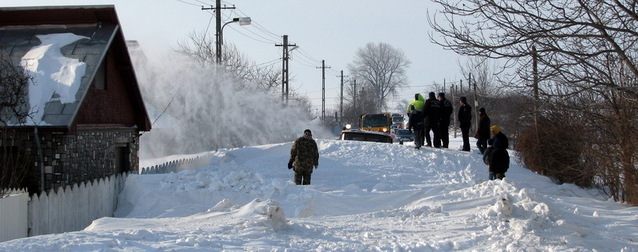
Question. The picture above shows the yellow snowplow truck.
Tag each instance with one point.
(376, 122)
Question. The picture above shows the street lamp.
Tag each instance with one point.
(220, 35)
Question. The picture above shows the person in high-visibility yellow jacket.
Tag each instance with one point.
(418, 103)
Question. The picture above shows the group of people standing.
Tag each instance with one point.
(430, 115)
(434, 114)
(424, 116)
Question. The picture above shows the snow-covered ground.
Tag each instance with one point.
(364, 197)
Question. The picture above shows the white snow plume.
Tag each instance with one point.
(197, 107)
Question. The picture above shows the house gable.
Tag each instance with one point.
(88, 126)
(110, 103)
(101, 43)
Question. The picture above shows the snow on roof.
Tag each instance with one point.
(55, 77)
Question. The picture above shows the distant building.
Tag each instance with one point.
(85, 105)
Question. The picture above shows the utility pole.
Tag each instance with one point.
(536, 97)
(354, 98)
(218, 27)
(284, 69)
(323, 89)
(476, 102)
(535, 84)
(341, 97)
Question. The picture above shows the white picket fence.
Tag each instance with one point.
(177, 165)
(73, 208)
(14, 215)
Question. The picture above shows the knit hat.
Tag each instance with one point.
(463, 99)
(442, 95)
(495, 129)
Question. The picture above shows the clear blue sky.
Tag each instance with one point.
(327, 30)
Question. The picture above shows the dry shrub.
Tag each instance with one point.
(554, 149)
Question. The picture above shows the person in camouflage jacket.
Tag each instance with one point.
(304, 155)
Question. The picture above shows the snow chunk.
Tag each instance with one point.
(268, 212)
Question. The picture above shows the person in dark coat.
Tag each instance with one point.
(465, 122)
(483, 130)
(496, 155)
(415, 123)
(304, 155)
(444, 122)
(418, 105)
(431, 115)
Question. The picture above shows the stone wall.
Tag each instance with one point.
(90, 154)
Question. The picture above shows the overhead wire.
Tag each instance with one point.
(256, 24)
(304, 62)
(265, 40)
(265, 35)
(268, 63)
(262, 34)
(182, 1)
(303, 52)
(300, 56)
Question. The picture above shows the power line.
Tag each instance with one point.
(182, 1)
(308, 62)
(208, 26)
(303, 52)
(260, 27)
(268, 37)
(304, 63)
(267, 63)
(202, 2)
(262, 41)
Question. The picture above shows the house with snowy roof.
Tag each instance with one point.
(84, 108)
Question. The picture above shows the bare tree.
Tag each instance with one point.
(381, 68)
(483, 74)
(14, 164)
(201, 48)
(579, 60)
(505, 107)
(358, 100)
(403, 104)
(572, 39)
